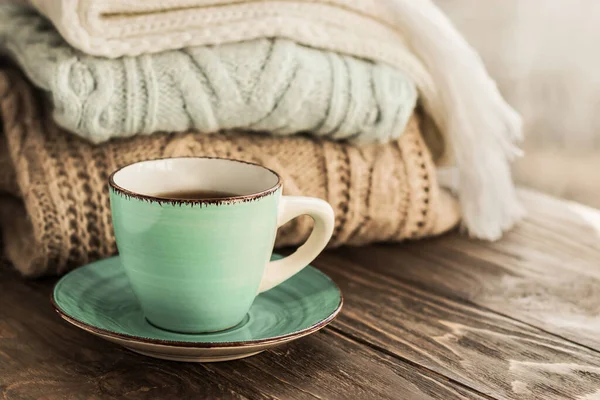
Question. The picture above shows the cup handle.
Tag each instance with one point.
(291, 207)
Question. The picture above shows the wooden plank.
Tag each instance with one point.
(545, 273)
(414, 314)
(43, 357)
(493, 354)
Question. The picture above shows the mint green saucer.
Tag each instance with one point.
(98, 299)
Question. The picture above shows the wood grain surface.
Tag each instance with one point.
(447, 318)
(545, 273)
(41, 357)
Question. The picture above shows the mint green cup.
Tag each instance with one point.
(197, 265)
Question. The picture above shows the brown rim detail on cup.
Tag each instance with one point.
(200, 345)
(222, 200)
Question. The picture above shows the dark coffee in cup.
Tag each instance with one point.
(196, 194)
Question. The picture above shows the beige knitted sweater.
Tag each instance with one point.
(55, 208)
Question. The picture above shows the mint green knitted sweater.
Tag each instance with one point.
(270, 85)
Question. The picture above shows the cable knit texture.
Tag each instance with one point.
(271, 85)
(479, 130)
(58, 214)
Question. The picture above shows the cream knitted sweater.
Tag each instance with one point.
(412, 35)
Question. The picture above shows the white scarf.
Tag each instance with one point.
(483, 129)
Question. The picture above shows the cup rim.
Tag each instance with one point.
(233, 199)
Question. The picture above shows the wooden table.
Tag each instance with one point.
(445, 318)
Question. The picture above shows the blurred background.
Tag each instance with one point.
(545, 56)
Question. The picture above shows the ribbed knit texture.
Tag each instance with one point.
(270, 85)
(58, 216)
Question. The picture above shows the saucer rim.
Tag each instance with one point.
(205, 345)
(275, 340)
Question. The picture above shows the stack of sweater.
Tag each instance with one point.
(351, 101)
